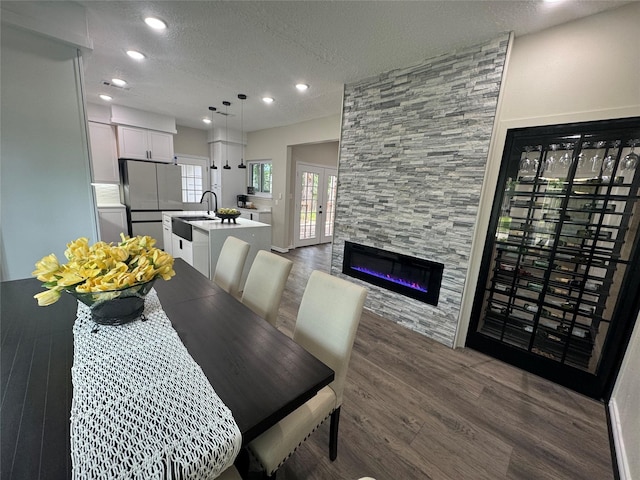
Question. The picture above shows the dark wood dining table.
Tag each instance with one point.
(259, 373)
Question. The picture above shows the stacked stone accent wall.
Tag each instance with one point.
(412, 159)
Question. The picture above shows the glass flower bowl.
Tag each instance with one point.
(116, 307)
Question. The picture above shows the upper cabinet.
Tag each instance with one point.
(142, 144)
(104, 155)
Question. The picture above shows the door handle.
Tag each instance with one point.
(320, 210)
(180, 244)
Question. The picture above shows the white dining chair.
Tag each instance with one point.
(326, 326)
(265, 283)
(230, 473)
(228, 272)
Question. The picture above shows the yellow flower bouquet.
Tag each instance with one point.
(105, 272)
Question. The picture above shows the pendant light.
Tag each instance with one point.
(226, 132)
(242, 98)
(213, 161)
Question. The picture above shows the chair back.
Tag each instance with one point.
(327, 322)
(265, 283)
(230, 264)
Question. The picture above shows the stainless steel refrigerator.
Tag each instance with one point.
(147, 189)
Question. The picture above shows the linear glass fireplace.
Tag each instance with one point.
(414, 277)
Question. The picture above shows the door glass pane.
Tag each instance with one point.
(330, 208)
(308, 205)
(191, 182)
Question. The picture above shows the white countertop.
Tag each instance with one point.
(215, 224)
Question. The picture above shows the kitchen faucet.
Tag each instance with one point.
(216, 200)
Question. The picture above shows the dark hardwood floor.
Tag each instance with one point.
(415, 409)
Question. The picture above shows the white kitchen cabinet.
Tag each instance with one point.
(142, 144)
(113, 221)
(181, 248)
(160, 146)
(104, 153)
(262, 216)
(167, 237)
(201, 251)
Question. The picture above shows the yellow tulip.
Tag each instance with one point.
(78, 249)
(120, 253)
(69, 278)
(47, 297)
(46, 267)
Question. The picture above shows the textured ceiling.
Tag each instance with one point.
(214, 50)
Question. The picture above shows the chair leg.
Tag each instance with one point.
(333, 434)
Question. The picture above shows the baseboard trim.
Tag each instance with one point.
(619, 454)
(279, 249)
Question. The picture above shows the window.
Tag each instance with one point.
(194, 181)
(191, 183)
(260, 177)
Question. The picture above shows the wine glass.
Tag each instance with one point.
(525, 162)
(550, 161)
(609, 163)
(630, 160)
(596, 160)
(565, 159)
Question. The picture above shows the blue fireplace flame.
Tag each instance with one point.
(391, 278)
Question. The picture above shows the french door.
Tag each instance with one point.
(315, 204)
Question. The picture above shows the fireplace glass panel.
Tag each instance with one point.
(411, 276)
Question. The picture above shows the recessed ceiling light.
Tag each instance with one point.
(106, 98)
(136, 55)
(267, 99)
(155, 23)
(302, 86)
(118, 82)
(206, 120)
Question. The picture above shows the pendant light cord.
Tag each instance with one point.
(226, 131)
(213, 160)
(242, 98)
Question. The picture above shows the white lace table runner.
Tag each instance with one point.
(142, 408)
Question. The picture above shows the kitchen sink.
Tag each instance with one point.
(182, 227)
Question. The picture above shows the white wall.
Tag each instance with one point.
(625, 408)
(46, 197)
(584, 70)
(273, 144)
(191, 141)
(325, 154)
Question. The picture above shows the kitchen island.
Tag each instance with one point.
(207, 237)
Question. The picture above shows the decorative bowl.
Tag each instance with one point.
(115, 307)
(228, 216)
